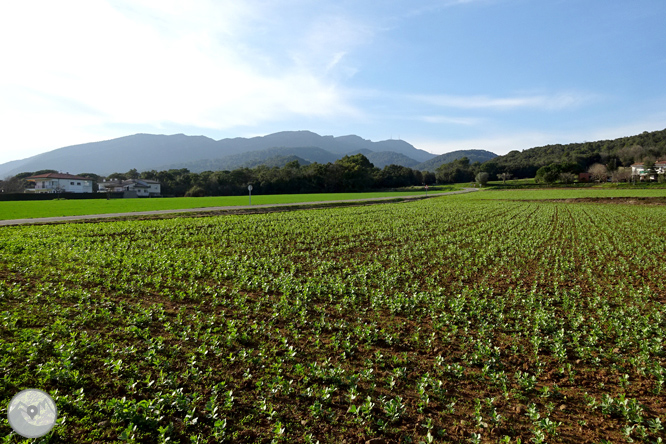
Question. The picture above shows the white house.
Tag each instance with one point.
(60, 183)
(132, 187)
(638, 169)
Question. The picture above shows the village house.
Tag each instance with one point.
(132, 187)
(60, 183)
(638, 170)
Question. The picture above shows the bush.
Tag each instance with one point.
(568, 177)
(482, 178)
(547, 174)
(195, 191)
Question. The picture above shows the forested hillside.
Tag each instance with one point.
(571, 158)
(472, 155)
(613, 153)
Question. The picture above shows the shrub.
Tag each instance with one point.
(195, 191)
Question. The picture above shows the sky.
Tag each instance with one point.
(443, 75)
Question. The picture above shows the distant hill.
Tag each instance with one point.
(140, 151)
(251, 159)
(278, 161)
(153, 152)
(616, 152)
(473, 156)
(383, 158)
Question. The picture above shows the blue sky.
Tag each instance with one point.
(442, 75)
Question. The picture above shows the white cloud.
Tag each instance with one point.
(438, 5)
(89, 64)
(467, 121)
(540, 101)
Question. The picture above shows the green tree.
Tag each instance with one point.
(132, 174)
(116, 176)
(548, 174)
(457, 171)
(195, 191)
(482, 178)
(357, 172)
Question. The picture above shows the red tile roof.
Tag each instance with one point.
(57, 176)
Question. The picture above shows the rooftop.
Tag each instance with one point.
(57, 176)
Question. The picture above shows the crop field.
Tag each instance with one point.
(574, 193)
(457, 319)
(77, 207)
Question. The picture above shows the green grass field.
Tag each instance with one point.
(53, 208)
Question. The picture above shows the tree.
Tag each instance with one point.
(482, 178)
(13, 184)
(567, 177)
(150, 175)
(504, 177)
(116, 176)
(622, 174)
(397, 176)
(457, 171)
(34, 173)
(195, 191)
(357, 172)
(548, 174)
(429, 178)
(489, 167)
(598, 172)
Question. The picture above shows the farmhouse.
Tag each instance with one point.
(639, 170)
(60, 183)
(132, 187)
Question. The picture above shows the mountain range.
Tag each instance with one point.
(199, 153)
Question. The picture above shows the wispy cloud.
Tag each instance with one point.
(430, 7)
(467, 121)
(539, 101)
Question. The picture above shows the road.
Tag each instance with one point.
(58, 219)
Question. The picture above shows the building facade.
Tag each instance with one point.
(132, 187)
(638, 170)
(60, 183)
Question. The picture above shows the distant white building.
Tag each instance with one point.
(60, 183)
(638, 169)
(132, 187)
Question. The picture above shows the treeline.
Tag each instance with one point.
(579, 157)
(349, 174)
(561, 162)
